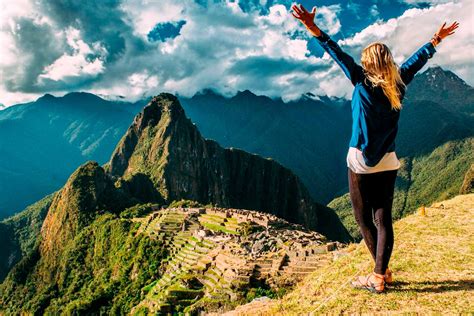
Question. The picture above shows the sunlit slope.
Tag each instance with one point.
(432, 263)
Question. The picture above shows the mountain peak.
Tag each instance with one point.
(164, 103)
(88, 192)
(46, 97)
(245, 93)
(155, 124)
(436, 74)
(443, 87)
(164, 150)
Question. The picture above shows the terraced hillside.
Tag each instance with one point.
(218, 257)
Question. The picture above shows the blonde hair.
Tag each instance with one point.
(381, 70)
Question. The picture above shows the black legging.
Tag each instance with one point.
(369, 193)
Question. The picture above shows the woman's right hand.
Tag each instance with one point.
(307, 18)
(444, 32)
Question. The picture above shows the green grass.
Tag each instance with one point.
(220, 228)
(432, 265)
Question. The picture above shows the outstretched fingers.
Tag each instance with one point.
(304, 9)
(296, 16)
(297, 10)
(442, 26)
(453, 26)
(450, 29)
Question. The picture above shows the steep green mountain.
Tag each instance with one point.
(86, 255)
(422, 180)
(98, 250)
(43, 142)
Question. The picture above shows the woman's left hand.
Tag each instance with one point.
(444, 31)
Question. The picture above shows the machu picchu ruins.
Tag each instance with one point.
(214, 254)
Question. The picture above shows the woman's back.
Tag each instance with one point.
(375, 119)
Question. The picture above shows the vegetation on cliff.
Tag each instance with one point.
(20, 234)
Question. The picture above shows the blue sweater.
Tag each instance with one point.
(374, 123)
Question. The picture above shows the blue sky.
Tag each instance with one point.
(135, 48)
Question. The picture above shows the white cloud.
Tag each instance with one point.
(79, 63)
(8, 11)
(327, 16)
(145, 14)
(220, 47)
(212, 41)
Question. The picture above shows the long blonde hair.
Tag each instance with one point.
(381, 70)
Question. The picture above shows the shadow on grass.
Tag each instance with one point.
(432, 286)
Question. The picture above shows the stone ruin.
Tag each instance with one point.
(227, 251)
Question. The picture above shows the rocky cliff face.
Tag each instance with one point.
(164, 146)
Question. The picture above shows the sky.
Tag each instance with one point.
(137, 48)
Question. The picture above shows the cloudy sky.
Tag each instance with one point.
(134, 48)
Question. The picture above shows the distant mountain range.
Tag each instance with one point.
(44, 141)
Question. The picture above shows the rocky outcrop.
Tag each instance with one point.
(468, 183)
(163, 144)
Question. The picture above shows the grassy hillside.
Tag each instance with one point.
(421, 180)
(102, 269)
(432, 263)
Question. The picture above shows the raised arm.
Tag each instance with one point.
(413, 64)
(352, 70)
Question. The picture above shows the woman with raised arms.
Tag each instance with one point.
(379, 87)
